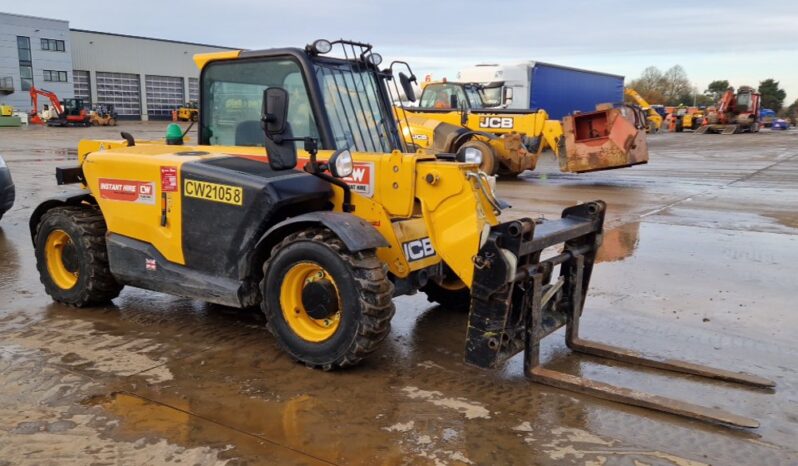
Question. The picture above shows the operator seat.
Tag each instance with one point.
(249, 133)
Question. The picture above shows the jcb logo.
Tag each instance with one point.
(496, 122)
(418, 249)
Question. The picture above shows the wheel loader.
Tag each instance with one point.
(453, 117)
(311, 207)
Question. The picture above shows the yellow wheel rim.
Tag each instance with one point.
(62, 276)
(294, 312)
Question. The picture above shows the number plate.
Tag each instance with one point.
(214, 192)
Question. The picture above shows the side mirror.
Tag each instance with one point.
(274, 111)
(274, 115)
(453, 101)
(508, 95)
(407, 86)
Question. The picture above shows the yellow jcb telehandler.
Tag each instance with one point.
(652, 116)
(309, 205)
(453, 117)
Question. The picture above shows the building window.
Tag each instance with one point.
(55, 76)
(53, 45)
(25, 63)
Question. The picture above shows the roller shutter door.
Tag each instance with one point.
(164, 94)
(123, 91)
(82, 86)
(193, 89)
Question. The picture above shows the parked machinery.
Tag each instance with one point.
(103, 115)
(654, 119)
(7, 117)
(737, 112)
(188, 112)
(453, 117)
(766, 117)
(323, 249)
(684, 118)
(69, 112)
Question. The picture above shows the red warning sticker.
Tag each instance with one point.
(169, 179)
(142, 192)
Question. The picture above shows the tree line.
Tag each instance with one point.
(673, 87)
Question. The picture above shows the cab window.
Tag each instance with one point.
(439, 96)
(233, 95)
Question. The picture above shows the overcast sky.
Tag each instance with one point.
(742, 41)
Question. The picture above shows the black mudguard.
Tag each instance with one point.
(356, 233)
(68, 198)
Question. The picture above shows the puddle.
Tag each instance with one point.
(619, 243)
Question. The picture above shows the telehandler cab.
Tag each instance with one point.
(324, 248)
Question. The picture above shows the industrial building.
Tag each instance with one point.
(143, 78)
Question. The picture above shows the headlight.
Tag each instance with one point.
(472, 155)
(321, 46)
(341, 164)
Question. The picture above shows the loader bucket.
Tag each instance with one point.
(518, 297)
(602, 140)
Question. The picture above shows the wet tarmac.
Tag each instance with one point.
(699, 263)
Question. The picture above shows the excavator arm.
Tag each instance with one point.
(35, 92)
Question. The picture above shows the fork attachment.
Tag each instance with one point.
(516, 301)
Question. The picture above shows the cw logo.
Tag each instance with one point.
(496, 122)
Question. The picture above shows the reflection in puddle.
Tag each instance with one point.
(619, 243)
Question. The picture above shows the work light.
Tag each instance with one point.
(321, 46)
(341, 164)
(472, 155)
(374, 59)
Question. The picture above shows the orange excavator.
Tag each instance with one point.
(69, 112)
(736, 113)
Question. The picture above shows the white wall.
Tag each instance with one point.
(93, 52)
(35, 28)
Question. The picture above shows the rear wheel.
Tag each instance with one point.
(72, 258)
(326, 306)
(490, 163)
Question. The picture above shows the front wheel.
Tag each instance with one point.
(72, 258)
(327, 307)
(452, 295)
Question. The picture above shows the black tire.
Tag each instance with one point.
(490, 163)
(652, 127)
(86, 229)
(455, 300)
(363, 287)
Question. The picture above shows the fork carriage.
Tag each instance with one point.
(517, 300)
